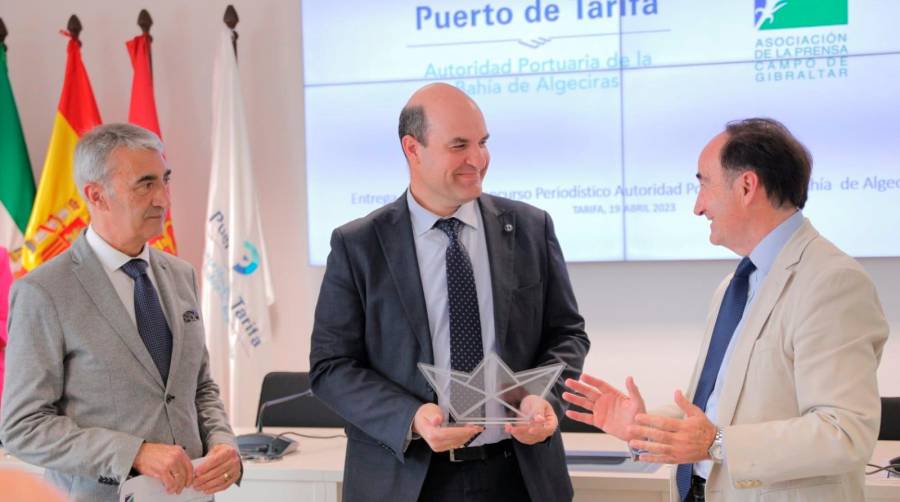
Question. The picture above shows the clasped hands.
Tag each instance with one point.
(660, 439)
(171, 465)
(429, 419)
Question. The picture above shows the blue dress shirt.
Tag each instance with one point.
(763, 256)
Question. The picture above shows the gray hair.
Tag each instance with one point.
(93, 150)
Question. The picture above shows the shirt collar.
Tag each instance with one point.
(111, 258)
(764, 254)
(423, 220)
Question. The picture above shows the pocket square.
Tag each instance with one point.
(190, 316)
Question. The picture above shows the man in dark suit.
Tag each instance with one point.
(444, 275)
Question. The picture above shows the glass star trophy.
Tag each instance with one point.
(491, 394)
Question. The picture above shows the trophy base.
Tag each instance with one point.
(489, 421)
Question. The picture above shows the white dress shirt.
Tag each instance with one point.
(112, 260)
(431, 248)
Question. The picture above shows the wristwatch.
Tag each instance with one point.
(716, 451)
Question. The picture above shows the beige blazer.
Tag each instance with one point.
(799, 405)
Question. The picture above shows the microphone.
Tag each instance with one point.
(260, 445)
(272, 402)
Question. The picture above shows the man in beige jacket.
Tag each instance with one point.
(783, 402)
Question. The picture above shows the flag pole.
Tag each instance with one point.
(3, 34)
(231, 20)
(74, 28)
(145, 22)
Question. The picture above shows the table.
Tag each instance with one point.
(315, 471)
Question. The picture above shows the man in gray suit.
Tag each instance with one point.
(108, 372)
(444, 275)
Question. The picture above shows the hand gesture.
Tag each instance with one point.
(672, 440)
(608, 408)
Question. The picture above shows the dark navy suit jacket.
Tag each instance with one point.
(371, 329)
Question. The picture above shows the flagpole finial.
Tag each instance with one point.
(231, 20)
(3, 33)
(74, 28)
(231, 17)
(145, 21)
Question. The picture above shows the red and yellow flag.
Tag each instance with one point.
(59, 213)
(143, 113)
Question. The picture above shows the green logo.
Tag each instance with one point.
(781, 14)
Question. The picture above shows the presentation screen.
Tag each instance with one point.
(598, 109)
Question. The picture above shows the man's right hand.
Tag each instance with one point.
(167, 463)
(427, 423)
(609, 409)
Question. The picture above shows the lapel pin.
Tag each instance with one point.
(508, 228)
(190, 316)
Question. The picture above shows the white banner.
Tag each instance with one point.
(237, 289)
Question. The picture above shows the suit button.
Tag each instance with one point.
(169, 398)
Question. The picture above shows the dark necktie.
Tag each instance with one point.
(730, 313)
(148, 313)
(466, 347)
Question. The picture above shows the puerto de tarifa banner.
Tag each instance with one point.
(598, 109)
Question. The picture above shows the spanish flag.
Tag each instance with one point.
(142, 112)
(59, 213)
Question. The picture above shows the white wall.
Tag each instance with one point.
(644, 319)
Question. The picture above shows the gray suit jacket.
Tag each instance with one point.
(371, 329)
(82, 392)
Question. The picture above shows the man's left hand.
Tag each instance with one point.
(542, 425)
(673, 440)
(221, 468)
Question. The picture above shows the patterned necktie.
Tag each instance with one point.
(730, 313)
(148, 313)
(466, 347)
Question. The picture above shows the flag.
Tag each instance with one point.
(237, 290)
(16, 180)
(5, 281)
(142, 112)
(59, 213)
(16, 192)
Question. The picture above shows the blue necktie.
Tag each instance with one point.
(730, 313)
(151, 322)
(466, 346)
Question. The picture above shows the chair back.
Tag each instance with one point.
(890, 419)
(307, 411)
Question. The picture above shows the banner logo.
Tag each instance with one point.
(782, 14)
(249, 262)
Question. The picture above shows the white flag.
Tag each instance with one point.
(237, 290)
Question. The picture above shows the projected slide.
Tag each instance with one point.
(598, 109)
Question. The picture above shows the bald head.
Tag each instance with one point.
(433, 99)
(444, 139)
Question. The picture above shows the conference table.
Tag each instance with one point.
(314, 472)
